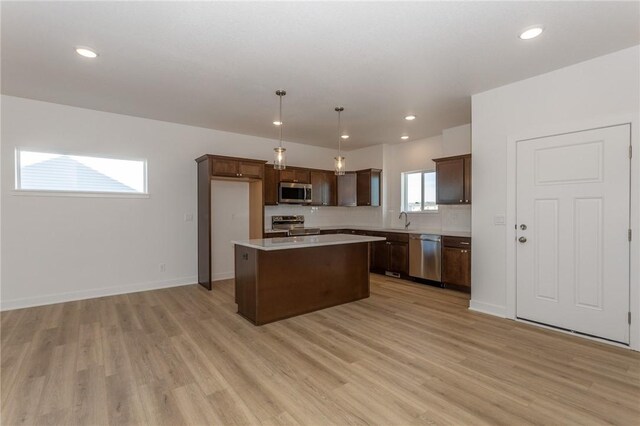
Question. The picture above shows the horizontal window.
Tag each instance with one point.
(44, 171)
(419, 191)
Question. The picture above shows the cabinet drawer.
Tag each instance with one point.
(397, 237)
(457, 242)
(275, 234)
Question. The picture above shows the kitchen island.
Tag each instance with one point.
(277, 278)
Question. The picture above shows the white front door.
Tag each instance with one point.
(573, 221)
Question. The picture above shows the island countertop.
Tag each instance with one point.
(270, 244)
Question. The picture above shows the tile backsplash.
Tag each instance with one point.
(448, 218)
(327, 216)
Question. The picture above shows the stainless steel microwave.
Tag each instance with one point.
(294, 193)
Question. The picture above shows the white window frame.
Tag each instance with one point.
(66, 193)
(404, 197)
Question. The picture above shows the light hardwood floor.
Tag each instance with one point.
(410, 354)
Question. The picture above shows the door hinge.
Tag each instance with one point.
(630, 151)
(629, 318)
(629, 234)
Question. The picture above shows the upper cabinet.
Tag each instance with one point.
(294, 174)
(369, 187)
(453, 180)
(347, 189)
(271, 179)
(361, 188)
(236, 167)
(323, 188)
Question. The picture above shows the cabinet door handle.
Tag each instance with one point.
(460, 200)
(466, 201)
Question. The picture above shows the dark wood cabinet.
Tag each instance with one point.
(232, 167)
(467, 179)
(224, 167)
(271, 180)
(391, 255)
(379, 259)
(251, 169)
(399, 257)
(369, 186)
(456, 261)
(294, 174)
(453, 180)
(347, 189)
(323, 188)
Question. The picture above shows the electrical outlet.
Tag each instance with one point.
(188, 217)
(163, 267)
(499, 219)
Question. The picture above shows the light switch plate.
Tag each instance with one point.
(499, 219)
(188, 217)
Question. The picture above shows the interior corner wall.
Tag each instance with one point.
(57, 248)
(607, 86)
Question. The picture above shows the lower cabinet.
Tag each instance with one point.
(390, 256)
(456, 261)
(399, 257)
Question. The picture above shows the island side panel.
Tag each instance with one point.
(297, 281)
(246, 281)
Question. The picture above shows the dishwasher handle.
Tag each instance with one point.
(434, 238)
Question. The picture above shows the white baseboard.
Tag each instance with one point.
(488, 308)
(223, 276)
(27, 302)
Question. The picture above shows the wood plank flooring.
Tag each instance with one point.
(410, 354)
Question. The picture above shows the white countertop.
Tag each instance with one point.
(306, 241)
(465, 234)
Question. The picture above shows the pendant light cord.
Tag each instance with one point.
(280, 118)
(339, 138)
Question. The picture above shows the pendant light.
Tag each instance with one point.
(339, 164)
(279, 158)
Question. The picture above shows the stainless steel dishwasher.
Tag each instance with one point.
(425, 256)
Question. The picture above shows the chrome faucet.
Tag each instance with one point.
(406, 219)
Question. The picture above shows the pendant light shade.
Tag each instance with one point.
(279, 158)
(340, 165)
(279, 154)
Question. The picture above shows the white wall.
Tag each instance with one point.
(229, 221)
(419, 155)
(601, 90)
(65, 248)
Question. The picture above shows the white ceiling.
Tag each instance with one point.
(217, 65)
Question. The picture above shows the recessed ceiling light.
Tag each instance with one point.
(405, 137)
(277, 123)
(86, 52)
(530, 33)
(410, 117)
(345, 136)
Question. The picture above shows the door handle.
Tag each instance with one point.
(523, 227)
(522, 239)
